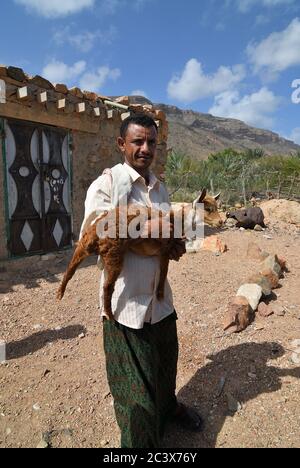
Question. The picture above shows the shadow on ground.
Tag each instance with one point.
(32, 343)
(206, 393)
(42, 270)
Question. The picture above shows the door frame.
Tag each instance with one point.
(11, 256)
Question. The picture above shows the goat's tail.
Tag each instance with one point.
(85, 247)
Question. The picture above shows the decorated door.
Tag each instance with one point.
(38, 188)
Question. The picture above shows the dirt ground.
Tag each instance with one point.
(53, 385)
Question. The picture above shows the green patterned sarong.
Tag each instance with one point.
(141, 369)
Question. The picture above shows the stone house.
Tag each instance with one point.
(54, 142)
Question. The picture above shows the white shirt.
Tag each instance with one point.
(134, 299)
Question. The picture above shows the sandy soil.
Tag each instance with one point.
(53, 385)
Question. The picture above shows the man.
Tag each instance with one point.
(141, 345)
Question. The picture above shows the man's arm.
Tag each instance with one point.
(98, 200)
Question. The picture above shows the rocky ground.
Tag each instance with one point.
(53, 388)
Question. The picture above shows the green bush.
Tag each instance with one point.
(235, 174)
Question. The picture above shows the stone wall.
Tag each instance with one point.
(92, 120)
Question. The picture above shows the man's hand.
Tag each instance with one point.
(178, 250)
(157, 228)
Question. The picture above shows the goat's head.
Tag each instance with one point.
(211, 214)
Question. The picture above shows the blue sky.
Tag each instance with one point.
(231, 58)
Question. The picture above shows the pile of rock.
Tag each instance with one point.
(242, 307)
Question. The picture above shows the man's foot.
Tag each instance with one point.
(188, 418)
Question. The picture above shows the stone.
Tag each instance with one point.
(278, 310)
(41, 82)
(265, 310)
(61, 88)
(231, 223)
(36, 407)
(283, 263)
(76, 92)
(295, 344)
(16, 74)
(90, 96)
(254, 252)
(295, 358)
(48, 257)
(272, 263)
(239, 315)
(43, 444)
(214, 244)
(3, 70)
(258, 228)
(136, 108)
(271, 276)
(262, 281)
(252, 292)
(124, 100)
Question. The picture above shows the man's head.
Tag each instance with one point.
(138, 141)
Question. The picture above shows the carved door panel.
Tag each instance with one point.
(38, 188)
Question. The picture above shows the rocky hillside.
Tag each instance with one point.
(199, 135)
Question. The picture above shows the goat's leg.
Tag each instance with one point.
(87, 246)
(79, 255)
(113, 267)
(164, 266)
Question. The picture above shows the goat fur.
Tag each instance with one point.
(112, 250)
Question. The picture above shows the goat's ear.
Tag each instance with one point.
(216, 197)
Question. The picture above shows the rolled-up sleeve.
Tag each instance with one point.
(98, 200)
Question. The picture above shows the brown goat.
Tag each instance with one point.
(112, 250)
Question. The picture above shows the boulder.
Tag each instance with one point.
(254, 252)
(265, 310)
(271, 276)
(253, 294)
(214, 244)
(239, 315)
(262, 281)
(272, 263)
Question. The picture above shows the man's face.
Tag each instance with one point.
(139, 147)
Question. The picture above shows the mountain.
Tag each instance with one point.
(198, 135)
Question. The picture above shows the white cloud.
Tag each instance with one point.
(56, 8)
(139, 92)
(94, 81)
(277, 52)
(193, 84)
(78, 75)
(59, 72)
(84, 41)
(295, 135)
(255, 109)
(245, 5)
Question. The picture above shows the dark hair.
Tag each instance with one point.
(137, 119)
